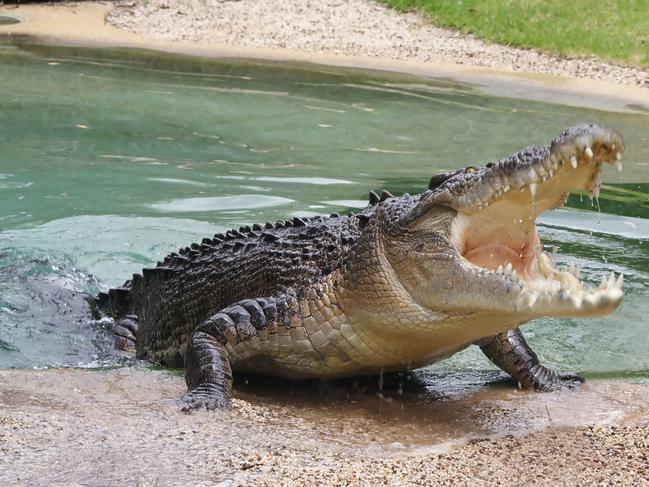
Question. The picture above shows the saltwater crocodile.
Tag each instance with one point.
(406, 282)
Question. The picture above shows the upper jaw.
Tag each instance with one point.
(581, 148)
(473, 189)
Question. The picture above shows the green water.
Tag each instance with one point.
(112, 159)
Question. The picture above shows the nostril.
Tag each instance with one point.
(438, 179)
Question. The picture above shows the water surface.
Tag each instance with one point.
(111, 159)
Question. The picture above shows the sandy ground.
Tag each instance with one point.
(345, 27)
(123, 427)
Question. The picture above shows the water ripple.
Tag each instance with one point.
(220, 203)
(603, 223)
(178, 181)
(316, 181)
(347, 203)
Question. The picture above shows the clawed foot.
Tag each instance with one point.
(544, 379)
(205, 397)
(124, 334)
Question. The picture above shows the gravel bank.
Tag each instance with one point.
(346, 27)
(122, 427)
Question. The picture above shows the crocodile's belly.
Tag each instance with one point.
(322, 348)
(334, 348)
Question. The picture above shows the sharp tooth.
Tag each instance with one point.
(618, 156)
(589, 152)
(508, 268)
(532, 298)
(590, 299)
(573, 162)
(574, 270)
(620, 281)
(514, 275)
(604, 283)
(611, 280)
(546, 265)
(565, 285)
(500, 269)
(518, 181)
(577, 300)
(618, 165)
(533, 190)
(547, 164)
(540, 171)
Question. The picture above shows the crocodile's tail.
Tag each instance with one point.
(116, 302)
(139, 294)
(137, 297)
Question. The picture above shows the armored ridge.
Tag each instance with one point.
(406, 282)
(250, 261)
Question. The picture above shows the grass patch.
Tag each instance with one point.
(613, 30)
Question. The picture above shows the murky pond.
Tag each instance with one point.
(111, 159)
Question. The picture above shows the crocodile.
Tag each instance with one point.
(405, 282)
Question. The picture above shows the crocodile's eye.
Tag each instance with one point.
(469, 170)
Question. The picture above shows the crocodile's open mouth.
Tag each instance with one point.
(495, 229)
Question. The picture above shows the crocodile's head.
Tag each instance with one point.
(470, 243)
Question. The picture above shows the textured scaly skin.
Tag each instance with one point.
(295, 326)
(310, 297)
(196, 309)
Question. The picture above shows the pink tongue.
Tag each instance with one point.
(491, 255)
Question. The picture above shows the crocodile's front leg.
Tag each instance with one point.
(511, 353)
(208, 373)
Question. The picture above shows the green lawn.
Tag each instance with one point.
(612, 30)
